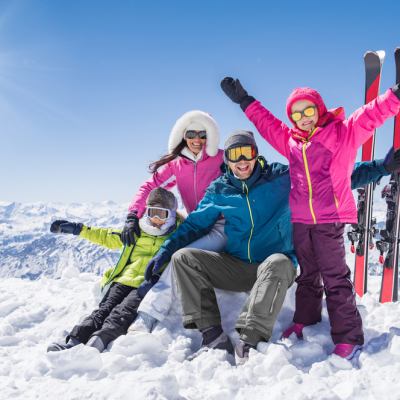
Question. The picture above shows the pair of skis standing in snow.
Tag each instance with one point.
(364, 231)
(253, 250)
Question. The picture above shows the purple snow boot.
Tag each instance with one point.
(294, 328)
(347, 351)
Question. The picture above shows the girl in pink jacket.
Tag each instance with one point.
(321, 149)
(192, 163)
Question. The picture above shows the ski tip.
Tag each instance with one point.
(380, 53)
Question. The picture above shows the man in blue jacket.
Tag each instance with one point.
(253, 198)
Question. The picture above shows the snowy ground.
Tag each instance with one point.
(61, 289)
(153, 366)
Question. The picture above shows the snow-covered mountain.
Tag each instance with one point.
(29, 250)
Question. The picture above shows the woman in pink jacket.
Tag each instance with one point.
(321, 149)
(192, 163)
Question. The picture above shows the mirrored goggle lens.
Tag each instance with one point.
(307, 112)
(193, 134)
(161, 213)
(243, 152)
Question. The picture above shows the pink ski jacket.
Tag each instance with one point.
(321, 163)
(192, 179)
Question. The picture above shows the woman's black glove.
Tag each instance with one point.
(392, 160)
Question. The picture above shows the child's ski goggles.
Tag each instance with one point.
(160, 213)
(307, 112)
(193, 134)
(236, 154)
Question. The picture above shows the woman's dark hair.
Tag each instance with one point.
(153, 167)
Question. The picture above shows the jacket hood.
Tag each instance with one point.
(200, 118)
(324, 116)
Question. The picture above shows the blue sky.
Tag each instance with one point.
(89, 90)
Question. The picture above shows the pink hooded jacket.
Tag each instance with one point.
(191, 177)
(321, 163)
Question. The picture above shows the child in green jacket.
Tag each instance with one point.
(124, 285)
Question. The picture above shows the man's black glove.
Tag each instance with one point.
(130, 229)
(396, 90)
(235, 91)
(392, 160)
(147, 285)
(63, 226)
(155, 266)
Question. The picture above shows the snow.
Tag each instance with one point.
(44, 306)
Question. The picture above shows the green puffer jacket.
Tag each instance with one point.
(133, 260)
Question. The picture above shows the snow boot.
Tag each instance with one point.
(97, 343)
(69, 343)
(294, 328)
(347, 351)
(242, 350)
(214, 338)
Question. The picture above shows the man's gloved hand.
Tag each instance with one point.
(155, 266)
(392, 160)
(396, 90)
(147, 285)
(235, 91)
(131, 228)
(63, 226)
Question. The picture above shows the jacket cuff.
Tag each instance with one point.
(84, 230)
(246, 102)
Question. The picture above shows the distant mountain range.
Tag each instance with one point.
(28, 249)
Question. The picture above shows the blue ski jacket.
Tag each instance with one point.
(256, 211)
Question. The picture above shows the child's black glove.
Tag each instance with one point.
(63, 226)
(235, 91)
(130, 229)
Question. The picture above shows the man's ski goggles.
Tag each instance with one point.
(194, 134)
(160, 213)
(307, 112)
(236, 154)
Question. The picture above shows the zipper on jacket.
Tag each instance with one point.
(336, 201)
(310, 199)
(195, 183)
(271, 309)
(246, 190)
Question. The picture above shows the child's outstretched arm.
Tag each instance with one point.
(362, 122)
(109, 238)
(272, 129)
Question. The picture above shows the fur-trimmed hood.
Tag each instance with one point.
(205, 119)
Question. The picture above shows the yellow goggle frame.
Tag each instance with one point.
(236, 154)
(307, 112)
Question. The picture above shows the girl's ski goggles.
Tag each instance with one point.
(307, 112)
(194, 134)
(236, 154)
(160, 213)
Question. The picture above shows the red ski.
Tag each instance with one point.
(364, 230)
